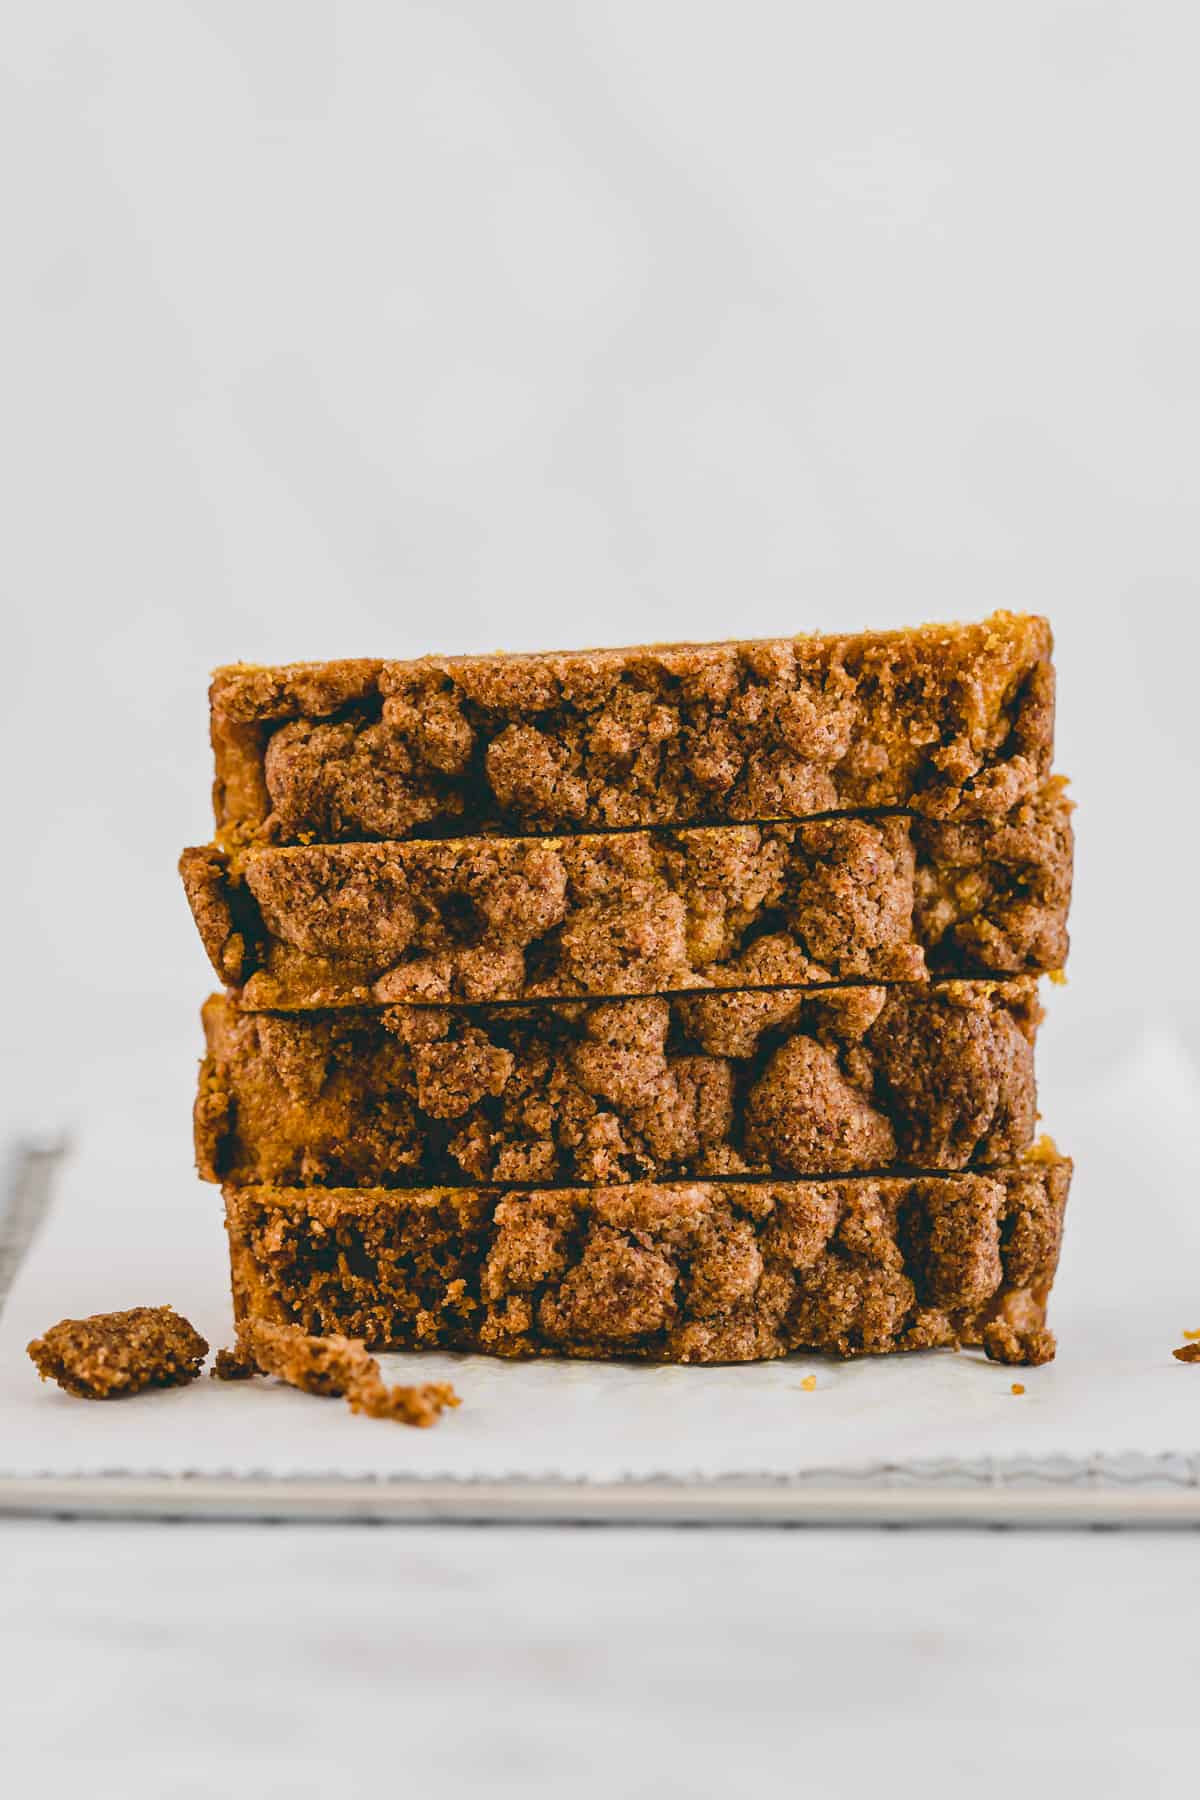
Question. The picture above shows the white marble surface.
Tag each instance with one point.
(187, 1663)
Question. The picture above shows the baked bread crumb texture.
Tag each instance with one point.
(673, 1004)
(677, 1003)
(110, 1356)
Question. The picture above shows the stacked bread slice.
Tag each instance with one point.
(675, 1003)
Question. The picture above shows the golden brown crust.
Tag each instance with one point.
(789, 1081)
(950, 720)
(110, 1355)
(639, 912)
(699, 1272)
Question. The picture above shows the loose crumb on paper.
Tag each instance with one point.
(1187, 1353)
(331, 1366)
(1018, 1387)
(111, 1355)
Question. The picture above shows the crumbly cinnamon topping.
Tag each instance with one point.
(332, 1366)
(110, 1355)
(784, 1082)
(954, 720)
(639, 912)
(1005, 1343)
(689, 1272)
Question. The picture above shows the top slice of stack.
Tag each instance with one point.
(952, 721)
(613, 823)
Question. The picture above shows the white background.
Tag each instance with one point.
(338, 329)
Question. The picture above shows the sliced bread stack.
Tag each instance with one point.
(675, 1003)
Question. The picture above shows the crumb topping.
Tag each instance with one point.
(639, 912)
(956, 721)
(110, 1355)
(688, 1272)
(786, 1082)
(332, 1366)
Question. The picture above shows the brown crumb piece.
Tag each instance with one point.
(112, 1354)
(327, 1366)
(809, 1384)
(228, 1366)
(422, 1405)
(336, 1365)
(1018, 1387)
(1003, 1343)
(1191, 1336)
(1187, 1353)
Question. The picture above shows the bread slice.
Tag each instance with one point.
(954, 721)
(704, 1272)
(787, 1081)
(882, 897)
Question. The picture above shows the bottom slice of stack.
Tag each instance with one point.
(695, 1272)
